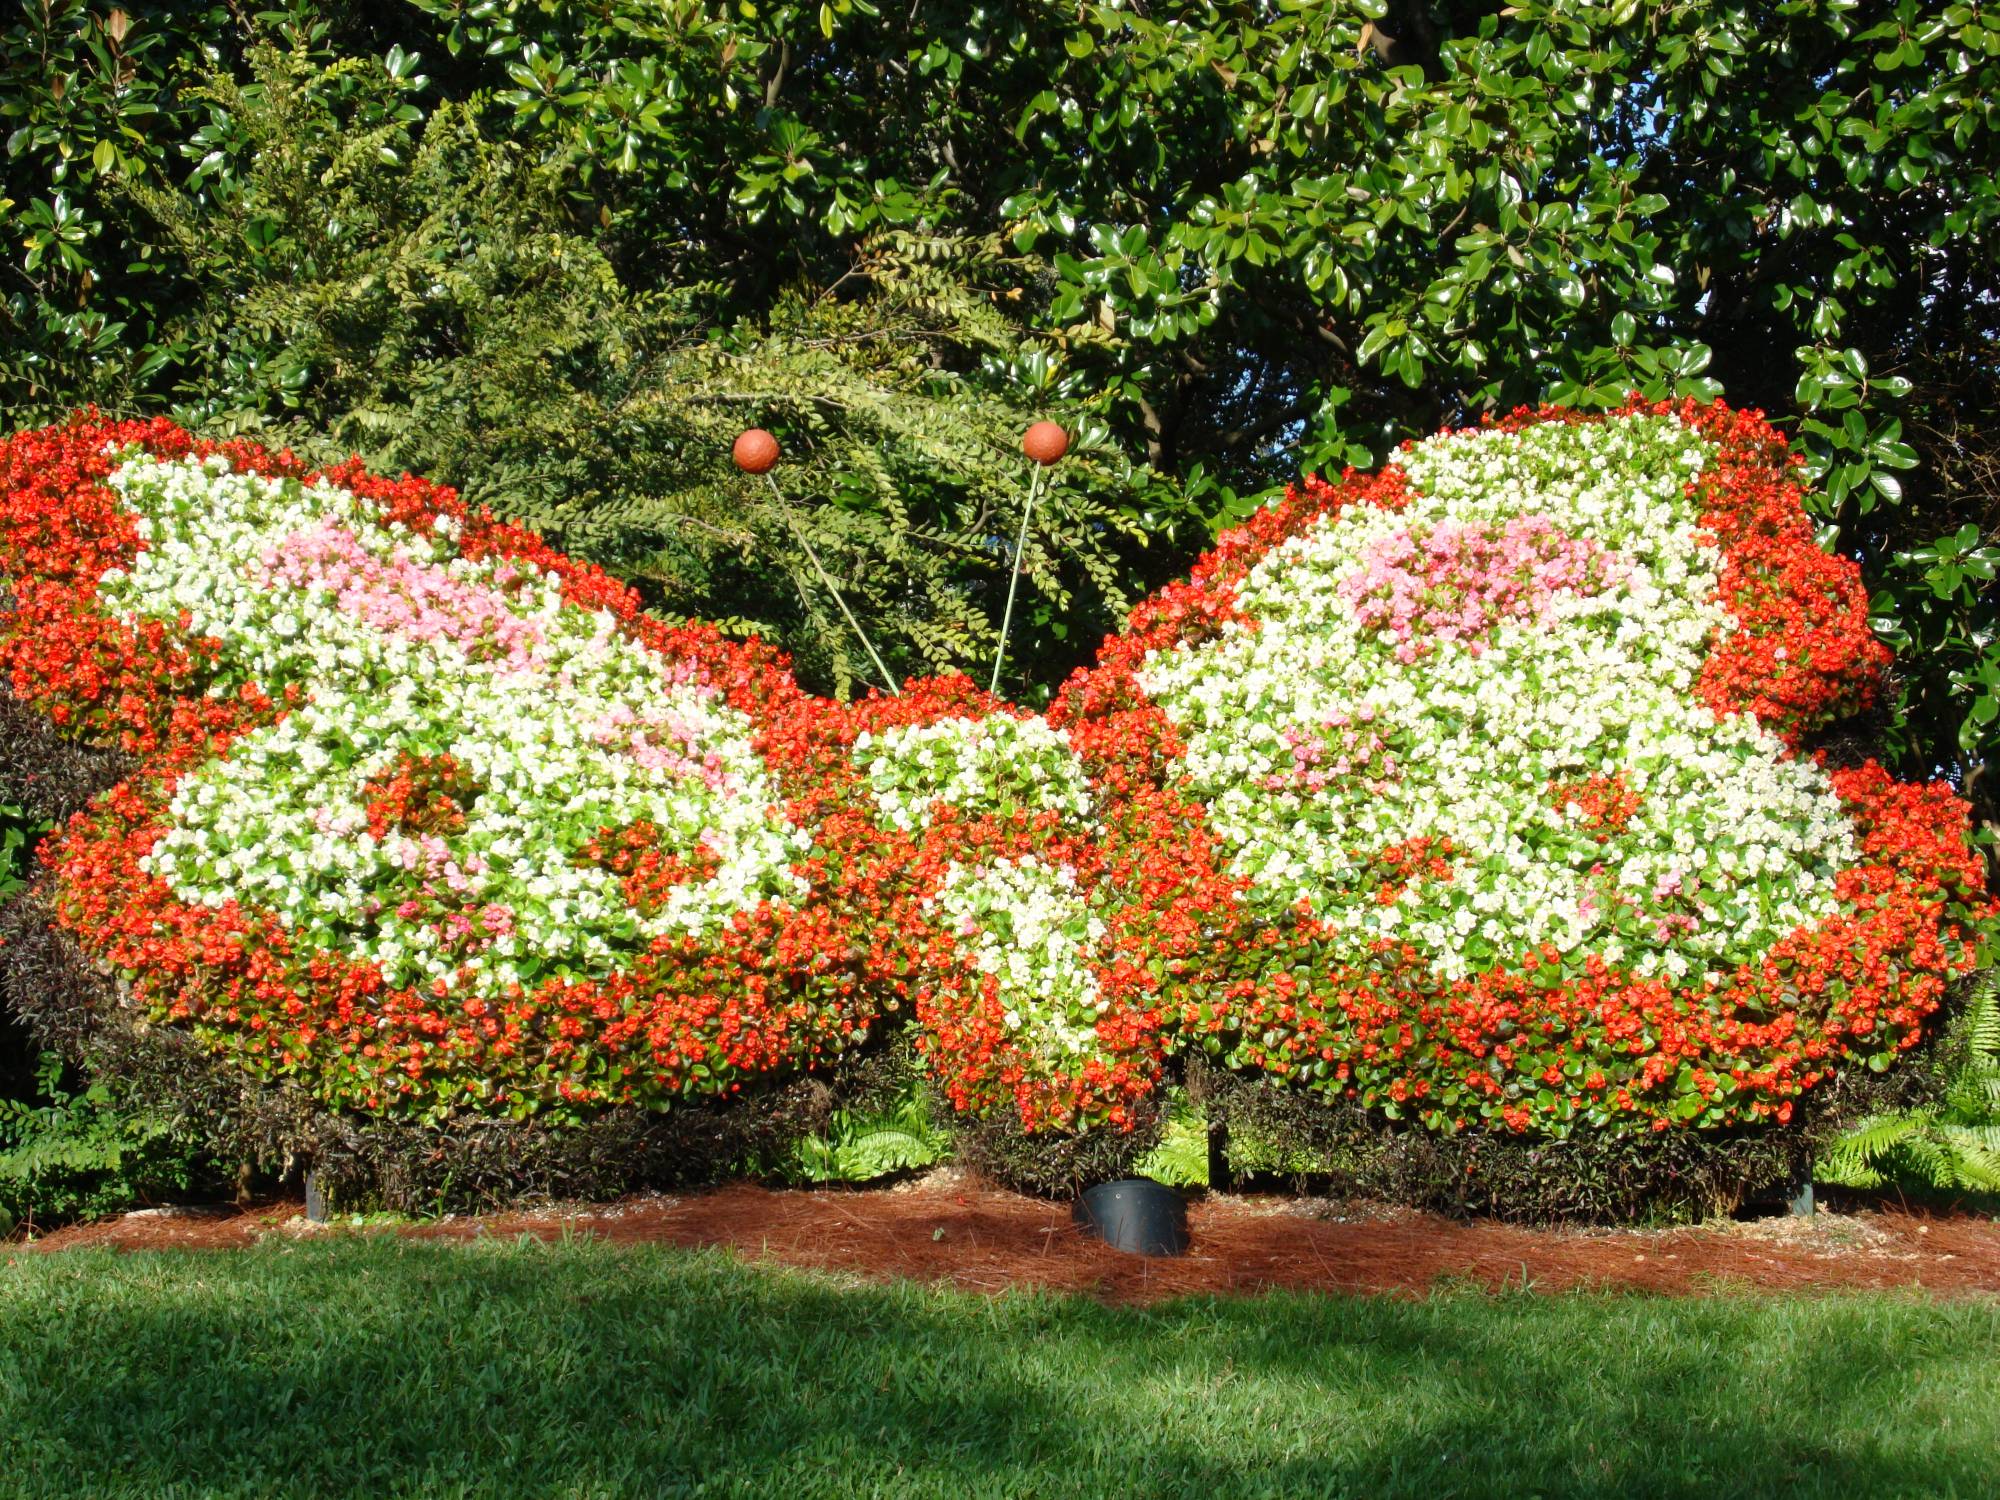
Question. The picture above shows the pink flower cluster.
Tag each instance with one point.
(402, 597)
(430, 857)
(1455, 581)
(1342, 746)
(661, 742)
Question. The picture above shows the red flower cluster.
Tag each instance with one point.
(420, 794)
(633, 854)
(1802, 654)
(1605, 804)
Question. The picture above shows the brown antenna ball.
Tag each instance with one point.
(756, 451)
(1045, 442)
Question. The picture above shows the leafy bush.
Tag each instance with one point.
(73, 1155)
(359, 276)
(1468, 795)
(18, 830)
(1951, 1145)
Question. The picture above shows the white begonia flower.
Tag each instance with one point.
(1599, 686)
(1030, 925)
(251, 822)
(974, 765)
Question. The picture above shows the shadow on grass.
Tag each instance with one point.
(386, 1368)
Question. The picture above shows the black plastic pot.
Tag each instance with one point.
(1134, 1214)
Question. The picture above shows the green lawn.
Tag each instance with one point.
(384, 1368)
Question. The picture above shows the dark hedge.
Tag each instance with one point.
(1596, 1178)
(462, 1164)
(1053, 1163)
(43, 772)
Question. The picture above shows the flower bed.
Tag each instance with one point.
(1499, 751)
(1477, 792)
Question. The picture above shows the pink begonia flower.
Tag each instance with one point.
(1456, 581)
(1333, 750)
(416, 601)
(668, 742)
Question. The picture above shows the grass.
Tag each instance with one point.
(383, 1368)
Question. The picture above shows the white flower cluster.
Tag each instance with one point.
(1734, 842)
(1028, 924)
(993, 765)
(566, 725)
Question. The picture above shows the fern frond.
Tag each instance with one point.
(1982, 1022)
(1856, 1158)
(858, 1149)
(1181, 1157)
(1873, 1138)
(1973, 1154)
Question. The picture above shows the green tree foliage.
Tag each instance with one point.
(372, 278)
(1256, 238)
(1288, 236)
(92, 92)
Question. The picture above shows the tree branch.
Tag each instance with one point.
(778, 78)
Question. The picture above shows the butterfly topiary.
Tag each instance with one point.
(1479, 791)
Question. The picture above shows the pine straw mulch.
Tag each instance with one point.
(947, 1229)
